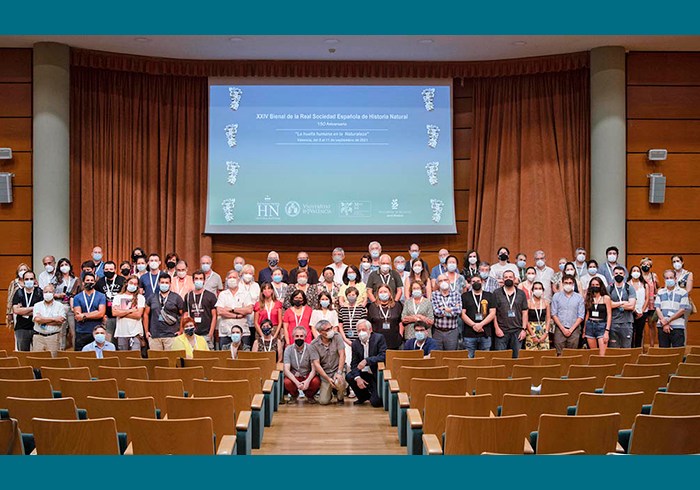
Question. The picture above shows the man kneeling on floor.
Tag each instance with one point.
(299, 372)
(327, 352)
(368, 350)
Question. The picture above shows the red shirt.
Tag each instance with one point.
(293, 321)
(276, 305)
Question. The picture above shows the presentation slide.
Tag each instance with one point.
(338, 158)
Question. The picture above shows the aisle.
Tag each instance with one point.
(331, 429)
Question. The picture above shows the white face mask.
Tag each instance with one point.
(612, 258)
(302, 281)
(232, 283)
(48, 297)
(537, 293)
(365, 265)
(677, 265)
(417, 269)
(568, 288)
(247, 277)
(636, 274)
(153, 264)
(330, 334)
(49, 268)
(385, 268)
(530, 277)
(181, 274)
(540, 263)
(472, 260)
(363, 335)
(65, 269)
(444, 285)
(581, 257)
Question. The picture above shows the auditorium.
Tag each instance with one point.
(349, 245)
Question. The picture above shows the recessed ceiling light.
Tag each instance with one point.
(331, 41)
(141, 39)
(519, 43)
(235, 39)
(425, 41)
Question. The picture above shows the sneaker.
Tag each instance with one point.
(360, 402)
(292, 401)
(311, 401)
(341, 401)
(351, 394)
(283, 401)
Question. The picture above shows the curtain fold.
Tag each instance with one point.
(299, 68)
(138, 163)
(531, 165)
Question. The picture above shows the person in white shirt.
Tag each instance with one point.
(47, 277)
(338, 265)
(326, 310)
(249, 285)
(238, 263)
(544, 274)
(233, 307)
(503, 265)
(49, 316)
(580, 263)
(212, 280)
(128, 307)
(592, 272)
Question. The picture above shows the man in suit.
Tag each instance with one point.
(421, 341)
(368, 350)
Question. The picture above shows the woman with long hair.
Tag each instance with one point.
(128, 307)
(598, 315)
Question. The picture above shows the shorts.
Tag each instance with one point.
(595, 330)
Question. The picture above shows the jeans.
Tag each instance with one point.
(621, 335)
(82, 339)
(369, 392)
(446, 339)
(674, 339)
(638, 329)
(24, 339)
(477, 343)
(509, 341)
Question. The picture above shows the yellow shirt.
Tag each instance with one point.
(182, 343)
(361, 290)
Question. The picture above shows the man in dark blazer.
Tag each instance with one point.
(367, 351)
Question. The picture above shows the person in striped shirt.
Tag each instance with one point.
(671, 304)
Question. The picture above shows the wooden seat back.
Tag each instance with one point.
(585, 354)
(266, 365)
(219, 409)
(253, 375)
(628, 405)
(665, 351)
(538, 354)
(536, 372)
(205, 363)
(491, 354)
(635, 352)
(72, 354)
(56, 374)
(649, 385)
(76, 437)
(149, 364)
(618, 361)
(438, 407)
(182, 436)
(22, 355)
(440, 355)
(121, 410)
(9, 362)
(25, 409)
(221, 355)
(497, 387)
(688, 370)
(638, 370)
(672, 359)
(472, 373)
(667, 435)
(40, 362)
(453, 363)
(564, 362)
(24, 372)
(158, 389)
(571, 386)
(405, 354)
(475, 435)
(24, 388)
(187, 375)
(511, 363)
(684, 384)
(692, 359)
(79, 390)
(173, 356)
(676, 404)
(599, 372)
(239, 390)
(271, 355)
(594, 434)
(420, 387)
(533, 406)
(93, 363)
(10, 436)
(407, 373)
(121, 374)
(122, 354)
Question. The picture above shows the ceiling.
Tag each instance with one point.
(442, 48)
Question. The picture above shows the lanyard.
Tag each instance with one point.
(269, 310)
(477, 303)
(197, 305)
(580, 270)
(415, 307)
(163, 301)
(610, 269)
(277, 291)
(98, 267)
(31, 296)
(296, 354)
(445, 301)
(388, 278)
(352, 315)
(538, 312)
(153, 284)
(266, 349)
(453, 284)
(88, 306)
(385, 315)
(179, 288)
(297, 318)
(510, 302)
(110, 289)
(619, 294)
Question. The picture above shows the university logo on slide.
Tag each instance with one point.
(268, 210)
(292, 209)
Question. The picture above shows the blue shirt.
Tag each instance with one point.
(427, 346)
(100, 269)
(670, 302)
(89, 303)
(437, 270)
(92, 346)
(568, 308)
(149, 284)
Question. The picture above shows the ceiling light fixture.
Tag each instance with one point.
(235, 39)
(331, 41)
(519, 43)
(425, 41)
(141, 39)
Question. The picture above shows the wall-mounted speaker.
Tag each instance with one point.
(6, 187)
(657, 155)
(657, 188)
(5, 153)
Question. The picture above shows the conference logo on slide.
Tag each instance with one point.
(292, 209)
(395, 211)
(268, 210)
(355, 209)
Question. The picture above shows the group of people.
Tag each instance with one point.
(332, 329)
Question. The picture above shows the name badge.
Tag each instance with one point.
(386, 326)
(594, 314)
(511, 314)
(479, 317)
(160, 317)
(198, 319)
(109, 304)
(622, 309)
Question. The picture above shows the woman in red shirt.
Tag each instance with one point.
(267, 307)
(298, 315)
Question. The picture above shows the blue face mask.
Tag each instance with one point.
(325, 303)
(417, 293)
(352, 277)
(198, 284)
(164, 288)
(484, 275)
(206, 267)
(374, 254)
(131, 288)
(238, 267)
(561, 267)
(400, 267)
(414, 255)
(383, 296)
(140, 267)
(670, 283)
(96, 257)
(235, 338)
(28, 283)
(277, 279)
(451, 267)
(521, 264)
(443, 259)
(99, 338)
(592, 271)
(420, 336)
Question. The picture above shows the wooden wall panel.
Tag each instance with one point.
(663, 102)
(20, 209)
(16, 237)
(463, 113)
(15, 99)
(462, 174)
(8, 266)
(681, 203)
(680, 169)
(462, 143)
(15, 65)
(662, 237)
(673, 135)
(663, 68)
(16, 133)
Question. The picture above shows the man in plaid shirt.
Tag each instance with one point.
(447, 307)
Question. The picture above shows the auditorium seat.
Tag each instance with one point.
(72, 354)
(24, 388)
(94, 363)
(9, 362)
(665, 351)
(498, 387)
(472, 373)
(268, 367)
(564, 362)
(594, 434)
(537, 373)
(173, 356)
(676, 404)
(510, 363)
(403, 382)
(187, 375)
(649, 385)
(583, 353)
(672, 359)
(121, 374)
(628, 405)
(440, 355)
(389, 357)
(205, 363)
(122, 354)
(52, 362)
(571, 386)
(24, 372)
(538, 354)
(25, 409)
(635, 352)
(667, 435)
(476, 435)
(688, 370)
(221, 355)
(639, 370)
(599, 372)
(121, 410)
(56, 374)
(533, 406)
(692, 359)
(158, 389)
(79, 390)
(149, 364)
(22, 355)
(10, 437)
(684, 384)
(183, 436)
(76, 437)
(392, 371)
(453, 363)
(490, 354)
(618, 361)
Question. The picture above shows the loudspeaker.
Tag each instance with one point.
(6, 187)
(657, 155)
(657, 188)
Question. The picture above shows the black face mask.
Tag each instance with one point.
(303, 262)
(125, 271)
(508, 283)
(170, 264)
(266, 331)
(503, 257)
(595, 289)
(476, 286)
(645, 268)
(619, 278)
(299, 342)
(109, 274)
(189, 331)
(89, 285)
(297, 302)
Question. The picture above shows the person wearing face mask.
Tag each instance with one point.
(23, 307)
(419, 273)
(598, 315)
(443, 253)
(592, 272)
(339, 267)
(303, 285)
(66, 286)
(511, 315)
(652, 281)
(488, 282)
(375, 251)
(248, 284)
(414, 255)
(421, 340)
(327, 354)
(503, 265)
(181, 282)
(233, 306)
(400, 267)
(641, 289)
(89, 308)
(580, 263)
(624, 301)
(570, 270)
(671, 304)
(87, 266)
(149, 282)
(478, 312)
(110, 285)
(521, 262)
(135, 255)
(162, 316)
(385, 316)
(97, 259)
(447, 309)
(171, 261)
(539, 317)
(278, 285)
(457, 281)
(100, 344)
(348, 318)
(15, 285)
(329, 286)
(303, 261)
(273, 260)
(568, 311)
(325, 311)
(125, 269)
(526, 285)
(298, 315)
(49, 317)
(128, 307)
(267, 342)
(556, 280)
(607, 270)
(544, 274)
(200, 305)
(351, 279)
(385, 276)
(299, 371)
(471, 265)
(237, 345)
(368, 350)
(189, 341)
(684, 279)
(49, 273)
(212, 280)
(268, 307)
(417, 308)
(365, 268)
(140, 266)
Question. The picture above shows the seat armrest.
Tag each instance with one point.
(280, 367)
(129, 450)
(267, 386)
(619, 449)
(275, 376)
(227, 446)
(528, 448)
(431, 445)
(387, 375)
(381, 366)
(414, 419)
(257, 402)
(243, 420)
(33, 453)
(393, 386)
(403, 400)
